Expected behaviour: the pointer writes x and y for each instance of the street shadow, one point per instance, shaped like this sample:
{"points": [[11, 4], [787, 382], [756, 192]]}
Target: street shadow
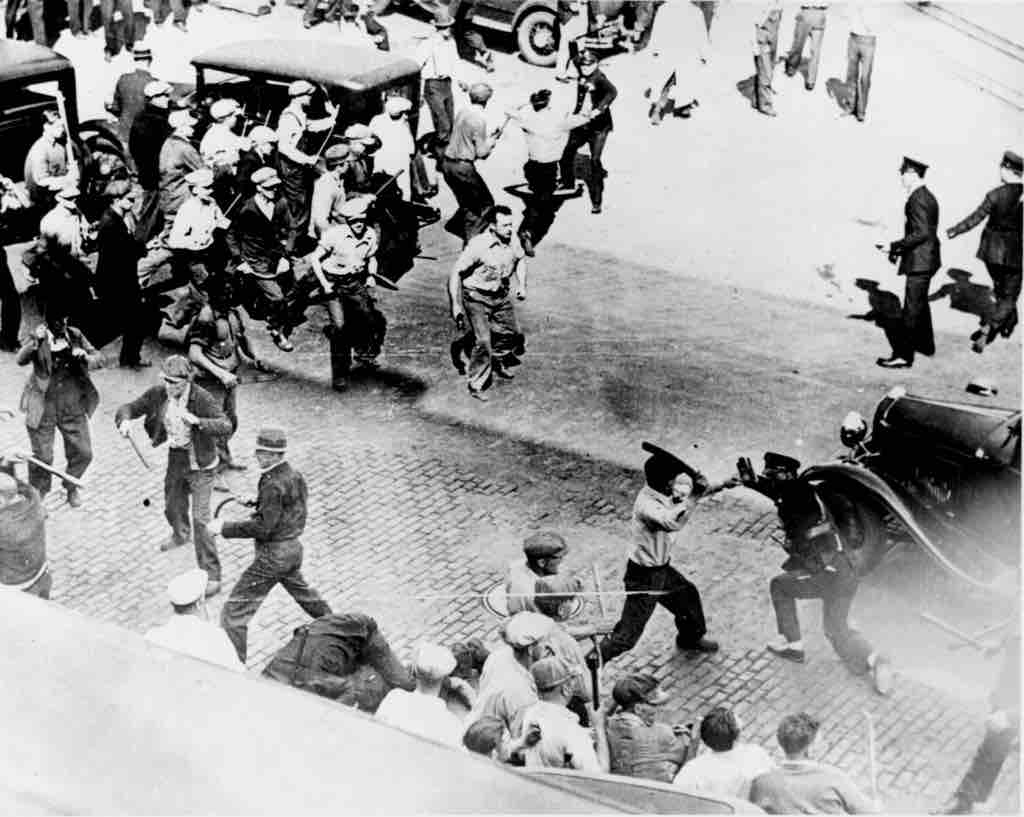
{"points": [[965, 296], [748, 89], [884, 308], [401, 384], [841, 93]]}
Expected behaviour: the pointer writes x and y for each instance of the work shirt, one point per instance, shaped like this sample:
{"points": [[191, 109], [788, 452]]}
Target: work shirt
{"points": [[469, 140], [280, 508], [179, 433], [396, 144], [547, 133], [46, 167], [487, 263], [66, 228], [808, 787], [641, 749], [348, 255], [190, 635], [520, 587], [438, 57], [195, 224], [216, 339], [177, 159], [656, 520], [222, 146], [725, 773], [291, 126], [506, 690], [564, 744], [328, 193], [423, 715]]}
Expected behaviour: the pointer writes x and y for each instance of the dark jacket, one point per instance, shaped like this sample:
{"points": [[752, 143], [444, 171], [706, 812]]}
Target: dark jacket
{"points": [[33, 397], [811, 539], [1001, 238], [249, 161], [117, 278], [149, 130], [257, 241], [280, 508], [602, 95], [129, 98], [151, 405], [918, 250], [177, 158]]}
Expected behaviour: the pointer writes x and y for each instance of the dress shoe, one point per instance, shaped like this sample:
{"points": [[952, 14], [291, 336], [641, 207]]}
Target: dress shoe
{"points": [[894, 362], [881, 675], [477, 394], [220, 486], [978, 344], [171, 543], [281, 341], [182, 27], [74, 497], [767, 111], [809, 86], [212, 588], [596, 209], [499, 371], [705, 645], [787, 652]]}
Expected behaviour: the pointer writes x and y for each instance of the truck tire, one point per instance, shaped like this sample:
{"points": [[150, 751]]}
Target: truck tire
{"points": [[861, 526], [537, 36]]}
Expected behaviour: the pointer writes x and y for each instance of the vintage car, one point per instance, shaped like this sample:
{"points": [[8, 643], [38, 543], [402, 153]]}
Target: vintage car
{"points": [[945, 474]]}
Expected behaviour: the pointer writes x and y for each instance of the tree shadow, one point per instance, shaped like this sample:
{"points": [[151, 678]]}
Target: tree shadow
{"points": [[966, 296]]}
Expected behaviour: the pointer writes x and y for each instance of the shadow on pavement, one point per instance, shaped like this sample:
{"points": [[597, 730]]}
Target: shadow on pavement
{"points": [[965, 296]]}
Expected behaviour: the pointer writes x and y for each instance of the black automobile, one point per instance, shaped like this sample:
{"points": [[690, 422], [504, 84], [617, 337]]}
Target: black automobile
{"points": [[945, 474]]}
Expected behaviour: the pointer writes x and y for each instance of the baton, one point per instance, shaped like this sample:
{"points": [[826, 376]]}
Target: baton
{"points": [[231, 206], [388, 183], [872, 765], [56, 472], [138, 451]]}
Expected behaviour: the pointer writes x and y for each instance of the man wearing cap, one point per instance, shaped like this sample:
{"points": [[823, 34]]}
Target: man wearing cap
{"points": [[397, 145], [145, 141], [196, 236], [364, 144], [345, 264], [294, 165], [564, 743], [329, 188], [506, 687], [23, 564], [594, 97], [470, 141], [258, 240], [547, 134], [66, 238], [221, 146], [275, 527], [818, 567], [186, 417], [1000, 248], [189, 630], [59, 395], [663, 506], [46, 164], [130, 90], [178, 158], [479, 292], [438, 58], [423, 712], [261, 153], [543, 552], [639, 745], [919, 259]]}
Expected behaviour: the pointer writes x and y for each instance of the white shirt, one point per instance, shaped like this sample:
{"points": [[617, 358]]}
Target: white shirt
{"points": [[546, 132], [563, 742], [221, 145], [506, 690], [520, 588], [191, 635], [725, 773], [656, 519], [195, 224], [423, 715], [438, 57], [179, 433], [396, 144]]}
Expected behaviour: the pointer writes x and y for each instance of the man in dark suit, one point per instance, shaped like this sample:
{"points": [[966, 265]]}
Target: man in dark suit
{"points": [[594, 97], [1000, 248], [189, 419], [149, 131], [919, 259], [130, 91]]}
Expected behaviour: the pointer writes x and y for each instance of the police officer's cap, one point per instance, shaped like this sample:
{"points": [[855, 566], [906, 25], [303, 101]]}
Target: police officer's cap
{"points": [[544, 544], [188, 588], [540, 97], [588, 58], [223, 108], [262, 135], [203, 177], [1013, 161], [266, 177], [781, 462], [526, 628], [273, 439], [920, 168], [300, 88], [336, 154]]}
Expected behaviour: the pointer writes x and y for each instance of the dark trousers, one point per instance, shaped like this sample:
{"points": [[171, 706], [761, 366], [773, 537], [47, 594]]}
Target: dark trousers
{"points": [[764, 62], [1006, 282], [915, 334], [10, 306], [357, 327], [539, 211], [116, 34], [810, 24], [273, 303], [297, 191], [74, 430], [595, 139], [987, 763], [161, 8], [227, 400], [682, 600], [151, 218], [36, 16], [836, 589], [494, 333], [134, 333], [79, 12], [180, 484], [472, 194], [860, 61], [275, 563], [438, 95]]}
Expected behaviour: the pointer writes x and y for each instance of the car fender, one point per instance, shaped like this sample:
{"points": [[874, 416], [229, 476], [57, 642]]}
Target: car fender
{"points": [[850, 474], [107, 131]]}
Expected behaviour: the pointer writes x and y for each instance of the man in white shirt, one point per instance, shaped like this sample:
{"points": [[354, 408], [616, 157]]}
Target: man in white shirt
{"points": [[199, 217], [423, 712], [189, 630], [438, 57], [564, 744], [221, 146], [397, 145], [730, 767], [860, 58]]}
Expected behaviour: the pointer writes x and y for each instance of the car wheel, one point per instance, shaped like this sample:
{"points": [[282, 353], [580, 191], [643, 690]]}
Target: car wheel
{"points": [[538, 38], [861, 527]]}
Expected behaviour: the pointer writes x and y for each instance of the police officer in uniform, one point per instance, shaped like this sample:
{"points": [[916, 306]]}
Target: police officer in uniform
{"points": [[595, 94], [275, 526], [818, 567]]}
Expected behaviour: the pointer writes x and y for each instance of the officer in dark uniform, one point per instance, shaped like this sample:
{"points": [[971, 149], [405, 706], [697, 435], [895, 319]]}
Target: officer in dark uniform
{"points": [[1000, 248], [919, 259], [275, 526], [818, 567]]}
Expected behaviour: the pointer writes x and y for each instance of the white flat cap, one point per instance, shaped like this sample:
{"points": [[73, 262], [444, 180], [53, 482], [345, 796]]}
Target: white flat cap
{"points": [[526, 628], [187, 588]]}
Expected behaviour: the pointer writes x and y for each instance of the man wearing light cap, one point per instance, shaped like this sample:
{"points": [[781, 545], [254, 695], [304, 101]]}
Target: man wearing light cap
{"points": [[364, 144], [638, 744], [470, 141], [397, 145], [262, 153], [423, 712], [186, 417], [438, 58], [178, 158], [919, 259], [129, 97], [329, 188], [145, 141], [662, 508], [543, 553], [66, 238], [1000, 249], [294, 164], [221, 146], [506, 687], [345, 263], [189, 630], [275, 527], [197, 237]]}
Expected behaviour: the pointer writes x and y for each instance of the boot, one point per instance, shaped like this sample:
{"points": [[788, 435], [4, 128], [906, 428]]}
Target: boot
{"points": [[341, 357]]}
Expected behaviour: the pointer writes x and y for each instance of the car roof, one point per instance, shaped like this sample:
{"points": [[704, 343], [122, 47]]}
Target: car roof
{"points": [[19, 60], [356, 69]]}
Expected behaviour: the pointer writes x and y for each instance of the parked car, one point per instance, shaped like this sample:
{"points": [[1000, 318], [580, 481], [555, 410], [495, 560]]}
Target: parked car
{"points": [[944, 473]]}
